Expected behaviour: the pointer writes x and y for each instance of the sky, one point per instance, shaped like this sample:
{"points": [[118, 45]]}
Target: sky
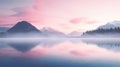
{"points": [[63, 15]]}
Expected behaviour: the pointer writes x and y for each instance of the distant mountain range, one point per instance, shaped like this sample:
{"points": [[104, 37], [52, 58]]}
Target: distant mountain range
{"points": [[51, 32], [75, 34], [25, 29], [111, 29]]}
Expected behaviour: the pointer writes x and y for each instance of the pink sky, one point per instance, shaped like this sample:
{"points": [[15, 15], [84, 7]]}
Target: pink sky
{"points": [[63, 15]]}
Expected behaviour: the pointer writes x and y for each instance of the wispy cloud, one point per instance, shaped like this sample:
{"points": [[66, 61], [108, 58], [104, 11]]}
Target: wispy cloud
{"points": [[82, 20], [6, 25]]}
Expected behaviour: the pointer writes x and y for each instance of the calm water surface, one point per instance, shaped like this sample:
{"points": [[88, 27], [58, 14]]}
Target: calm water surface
{"points": [[60, 52]]}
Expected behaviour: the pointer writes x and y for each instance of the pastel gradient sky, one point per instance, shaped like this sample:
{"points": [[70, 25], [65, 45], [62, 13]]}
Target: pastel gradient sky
{"points": [[62, 15]]}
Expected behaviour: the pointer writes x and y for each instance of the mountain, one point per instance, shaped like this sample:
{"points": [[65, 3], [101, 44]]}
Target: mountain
{"points": [[23, 27], [108, 30], [75, 34], [114, 24], [46, 31]]}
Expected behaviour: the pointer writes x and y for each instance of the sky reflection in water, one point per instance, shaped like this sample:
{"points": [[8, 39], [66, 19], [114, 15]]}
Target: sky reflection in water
{"points": [[60, 53]]}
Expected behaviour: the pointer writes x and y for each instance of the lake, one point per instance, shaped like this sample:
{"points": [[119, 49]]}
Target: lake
{"points": [[62, 52]]}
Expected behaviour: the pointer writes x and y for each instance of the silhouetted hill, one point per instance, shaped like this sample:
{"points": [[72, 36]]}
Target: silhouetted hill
{"points": [[23, 27]]}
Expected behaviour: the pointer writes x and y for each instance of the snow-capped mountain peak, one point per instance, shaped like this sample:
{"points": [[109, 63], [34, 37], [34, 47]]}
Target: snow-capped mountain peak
{"points": [[114, 24]]}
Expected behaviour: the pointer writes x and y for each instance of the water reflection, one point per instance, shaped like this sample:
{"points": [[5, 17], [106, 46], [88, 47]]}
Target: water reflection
{"points": [[59, 53], [111, 44], [24, 46]]}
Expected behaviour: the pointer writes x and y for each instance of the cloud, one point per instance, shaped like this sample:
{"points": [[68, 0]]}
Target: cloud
{"points": [[6, 20], [37, 4], [82, 20], [6, 25], [29, 13], [48, 13]]}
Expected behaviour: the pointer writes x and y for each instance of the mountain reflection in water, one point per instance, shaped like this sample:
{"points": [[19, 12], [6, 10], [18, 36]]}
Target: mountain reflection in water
{"points": [[60, 53]]}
